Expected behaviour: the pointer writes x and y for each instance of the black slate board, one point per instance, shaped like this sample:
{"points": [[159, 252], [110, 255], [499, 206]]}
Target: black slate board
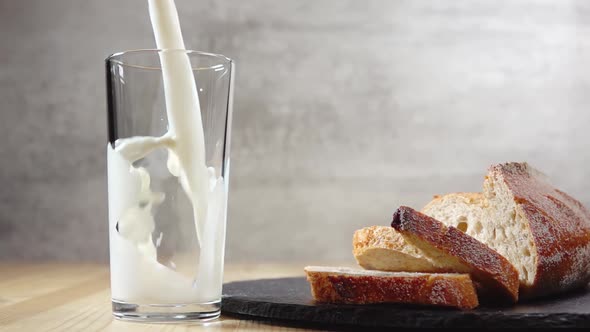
{"points": [[289, 300]]}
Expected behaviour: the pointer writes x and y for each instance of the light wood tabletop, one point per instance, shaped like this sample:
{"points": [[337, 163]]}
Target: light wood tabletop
{"points": [[76, 297]]}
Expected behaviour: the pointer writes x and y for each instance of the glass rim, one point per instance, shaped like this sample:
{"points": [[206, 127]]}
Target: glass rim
{"points": [[117, 58]]}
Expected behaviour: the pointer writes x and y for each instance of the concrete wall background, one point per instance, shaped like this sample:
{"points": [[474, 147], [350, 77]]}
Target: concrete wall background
{"points": [[343, 111]]}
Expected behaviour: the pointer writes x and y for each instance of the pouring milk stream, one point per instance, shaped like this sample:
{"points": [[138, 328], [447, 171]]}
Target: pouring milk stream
{"points": [[136, 274]]}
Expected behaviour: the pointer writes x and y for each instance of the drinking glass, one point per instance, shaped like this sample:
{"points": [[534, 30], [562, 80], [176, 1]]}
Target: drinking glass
{"points": [[165, 264]]}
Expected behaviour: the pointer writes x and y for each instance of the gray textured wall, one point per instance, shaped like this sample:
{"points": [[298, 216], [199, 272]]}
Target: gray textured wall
{"points": [[343, 110]]}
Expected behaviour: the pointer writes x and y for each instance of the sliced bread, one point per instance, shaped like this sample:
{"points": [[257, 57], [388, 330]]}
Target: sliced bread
{"points": [[460, 210], [383, 248], [542, 231], [344, 285], [452, 249]]}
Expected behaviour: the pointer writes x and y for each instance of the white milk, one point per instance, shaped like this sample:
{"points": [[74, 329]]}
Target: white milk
{"points": [[136, 275]]}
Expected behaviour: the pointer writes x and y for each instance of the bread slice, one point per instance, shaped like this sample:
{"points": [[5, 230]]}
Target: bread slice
{"points": [[383, 248], [451, 248], [344, 285], [542, 231], [460, 210]]}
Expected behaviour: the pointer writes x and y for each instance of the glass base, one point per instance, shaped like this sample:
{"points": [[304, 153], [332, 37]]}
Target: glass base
{"points": [[166, 313]]}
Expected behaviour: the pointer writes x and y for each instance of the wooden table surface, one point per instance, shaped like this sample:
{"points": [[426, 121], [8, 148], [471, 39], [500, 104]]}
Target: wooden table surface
{"points": [[76, 297]]}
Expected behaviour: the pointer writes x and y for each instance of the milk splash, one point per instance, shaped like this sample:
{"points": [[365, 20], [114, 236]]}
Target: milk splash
{"points": [[136, 273]]}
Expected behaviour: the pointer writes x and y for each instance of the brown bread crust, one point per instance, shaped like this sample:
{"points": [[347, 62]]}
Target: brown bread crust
{"points": [[559, 224], [486, 265], [449, 290]]}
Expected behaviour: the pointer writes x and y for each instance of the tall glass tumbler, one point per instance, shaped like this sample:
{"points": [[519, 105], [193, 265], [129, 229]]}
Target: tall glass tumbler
{"points": [[166, 245]]}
